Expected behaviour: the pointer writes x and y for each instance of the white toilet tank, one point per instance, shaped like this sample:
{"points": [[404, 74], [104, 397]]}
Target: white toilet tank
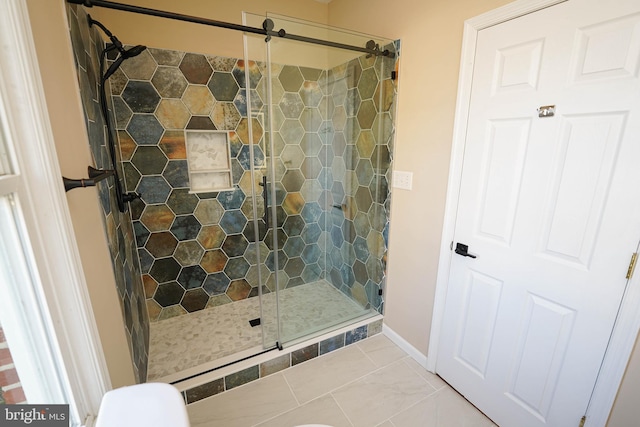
{"points": [[143, 405]]}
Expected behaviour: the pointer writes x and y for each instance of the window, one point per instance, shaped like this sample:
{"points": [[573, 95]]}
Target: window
{"points": [[44, 305]]}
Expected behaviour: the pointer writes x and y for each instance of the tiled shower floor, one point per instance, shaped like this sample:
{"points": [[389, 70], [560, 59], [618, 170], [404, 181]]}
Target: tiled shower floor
{"points": [[200, 338]]}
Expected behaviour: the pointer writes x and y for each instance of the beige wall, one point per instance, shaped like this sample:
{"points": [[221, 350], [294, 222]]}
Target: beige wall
{"points": [[431, 41], [57, 68], [131, 28]]}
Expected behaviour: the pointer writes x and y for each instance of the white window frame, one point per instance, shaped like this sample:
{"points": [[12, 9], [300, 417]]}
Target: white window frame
{"points": [[58, 305]]}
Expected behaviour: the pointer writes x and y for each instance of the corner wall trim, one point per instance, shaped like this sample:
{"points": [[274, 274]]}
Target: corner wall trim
{"points": [[406, 346]]}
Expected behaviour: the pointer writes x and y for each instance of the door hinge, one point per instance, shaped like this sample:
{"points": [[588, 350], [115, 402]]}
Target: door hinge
{"points": [[582, 421], [632, 265]]}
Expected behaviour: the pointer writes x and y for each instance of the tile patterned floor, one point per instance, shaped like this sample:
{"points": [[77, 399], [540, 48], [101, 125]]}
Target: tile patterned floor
{"points": [[191, 340], [370, 383]]}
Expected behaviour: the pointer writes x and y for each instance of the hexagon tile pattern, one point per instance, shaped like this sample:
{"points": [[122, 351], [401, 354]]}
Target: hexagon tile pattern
{"points": [[332, 138], [133, 112]]}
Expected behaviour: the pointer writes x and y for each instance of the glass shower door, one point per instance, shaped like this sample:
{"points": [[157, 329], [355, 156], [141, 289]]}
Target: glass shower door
{"points": [[323, 182], [255, 94]]}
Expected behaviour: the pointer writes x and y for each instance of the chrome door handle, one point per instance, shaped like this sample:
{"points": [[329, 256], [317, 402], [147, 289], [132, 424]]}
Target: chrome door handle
{"points": [[462, 249]]}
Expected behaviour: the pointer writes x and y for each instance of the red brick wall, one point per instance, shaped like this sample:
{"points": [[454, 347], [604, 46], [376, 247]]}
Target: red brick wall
{"points": [[9, 382]]}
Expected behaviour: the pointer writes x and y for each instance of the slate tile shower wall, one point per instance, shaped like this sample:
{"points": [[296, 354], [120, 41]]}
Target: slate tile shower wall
{"points": [[361, 106], [87, 46], [195, 250], [332, 154], [333, 134]]}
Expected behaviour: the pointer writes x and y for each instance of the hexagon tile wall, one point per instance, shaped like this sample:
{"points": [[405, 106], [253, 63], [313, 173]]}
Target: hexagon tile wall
{"points": [[333, 133], [87, 44]]}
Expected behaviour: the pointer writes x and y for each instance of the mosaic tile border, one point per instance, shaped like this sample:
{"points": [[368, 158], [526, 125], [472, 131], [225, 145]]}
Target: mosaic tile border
{"points": [[281, 362]]}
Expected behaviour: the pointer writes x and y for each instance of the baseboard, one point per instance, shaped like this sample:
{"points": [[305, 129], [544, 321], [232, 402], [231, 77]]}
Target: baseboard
{"points": [[405, 345]]}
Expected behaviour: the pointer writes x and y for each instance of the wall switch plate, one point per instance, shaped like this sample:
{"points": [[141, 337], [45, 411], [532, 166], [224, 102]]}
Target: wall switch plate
{"points": [[403, 180]]}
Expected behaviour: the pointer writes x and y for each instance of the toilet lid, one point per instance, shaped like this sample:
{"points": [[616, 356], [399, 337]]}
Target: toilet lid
{"points": [[143, 405]]}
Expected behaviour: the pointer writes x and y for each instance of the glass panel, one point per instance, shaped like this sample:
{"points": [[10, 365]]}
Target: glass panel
{"points": [[21, 316], [256, 76], [328, 132]]}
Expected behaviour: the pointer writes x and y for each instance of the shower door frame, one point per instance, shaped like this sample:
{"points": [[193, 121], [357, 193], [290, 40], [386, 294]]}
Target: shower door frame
{"points": [[268, 192]]}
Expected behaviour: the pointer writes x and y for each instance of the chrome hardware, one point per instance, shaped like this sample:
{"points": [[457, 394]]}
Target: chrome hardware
{"points": [[547, 111]]}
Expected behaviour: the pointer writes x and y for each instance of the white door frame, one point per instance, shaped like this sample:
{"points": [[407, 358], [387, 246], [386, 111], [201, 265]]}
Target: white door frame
{"points": [[628, 322], [60, 283]]}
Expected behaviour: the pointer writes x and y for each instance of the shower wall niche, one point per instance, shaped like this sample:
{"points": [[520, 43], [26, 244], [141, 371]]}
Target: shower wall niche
{"points": [[333, 149]]}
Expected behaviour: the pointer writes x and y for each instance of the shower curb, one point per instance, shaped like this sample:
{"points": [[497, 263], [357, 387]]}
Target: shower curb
{"points": [[276, 361]]}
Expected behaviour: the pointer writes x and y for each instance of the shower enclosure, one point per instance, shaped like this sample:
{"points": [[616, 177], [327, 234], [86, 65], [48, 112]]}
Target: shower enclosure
{"points": [[263, 179], [321, 133]]}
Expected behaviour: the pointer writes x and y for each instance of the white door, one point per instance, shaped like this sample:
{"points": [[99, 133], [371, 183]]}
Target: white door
{"points": [[550, 207]]}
